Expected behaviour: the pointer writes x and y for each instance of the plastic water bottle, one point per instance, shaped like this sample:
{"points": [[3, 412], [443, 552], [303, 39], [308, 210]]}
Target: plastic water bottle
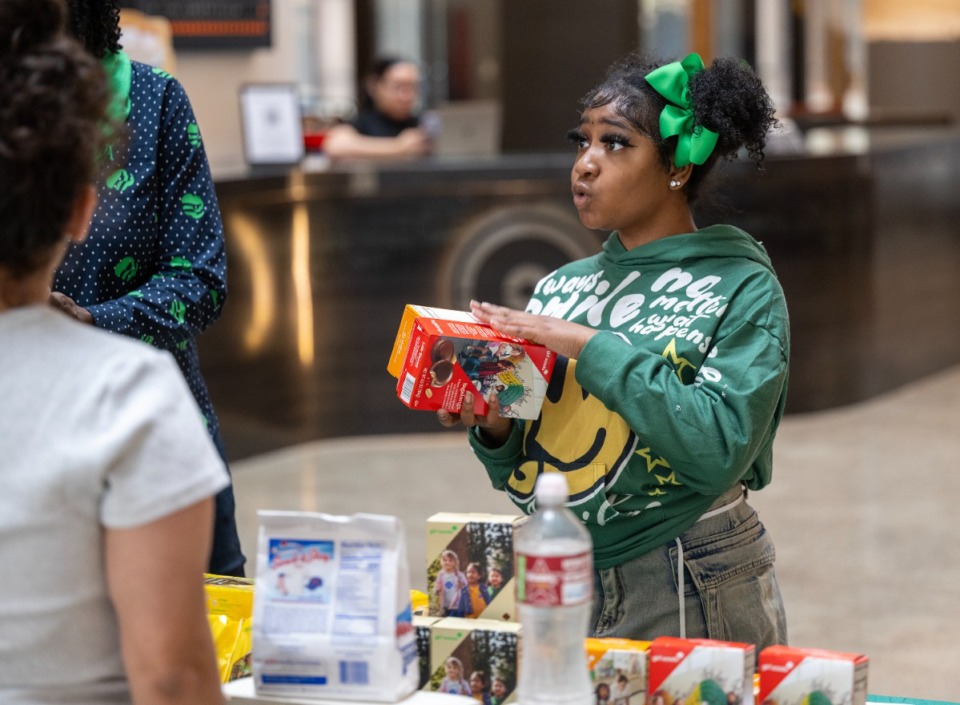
{"points": [[554, 595]]}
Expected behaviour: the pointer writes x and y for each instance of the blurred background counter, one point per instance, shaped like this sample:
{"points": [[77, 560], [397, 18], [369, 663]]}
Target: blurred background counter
{"points": [[861, 223]]}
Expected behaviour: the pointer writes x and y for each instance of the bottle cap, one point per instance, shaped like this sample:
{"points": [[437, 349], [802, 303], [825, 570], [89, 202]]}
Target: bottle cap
{"points": [[552, 490]]}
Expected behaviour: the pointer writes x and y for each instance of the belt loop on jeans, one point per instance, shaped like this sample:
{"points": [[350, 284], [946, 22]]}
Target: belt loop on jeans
{"points": [[726, 502]]}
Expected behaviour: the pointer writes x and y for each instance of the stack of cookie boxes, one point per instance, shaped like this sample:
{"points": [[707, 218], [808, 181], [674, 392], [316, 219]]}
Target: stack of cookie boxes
{"points": [[469, 640], [710, 672]]}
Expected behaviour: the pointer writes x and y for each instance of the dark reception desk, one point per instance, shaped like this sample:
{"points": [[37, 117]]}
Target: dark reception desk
{"points": [[863, 227]]}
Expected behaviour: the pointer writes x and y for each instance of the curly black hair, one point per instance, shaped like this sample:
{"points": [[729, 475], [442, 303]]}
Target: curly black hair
{"points": [[727, 97], [96, 23], [53, 125]]}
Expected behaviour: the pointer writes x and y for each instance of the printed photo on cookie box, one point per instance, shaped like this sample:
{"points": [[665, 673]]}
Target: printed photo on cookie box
{"points": [[440, 354], [700, 671], [618, 670], [797, 676]]}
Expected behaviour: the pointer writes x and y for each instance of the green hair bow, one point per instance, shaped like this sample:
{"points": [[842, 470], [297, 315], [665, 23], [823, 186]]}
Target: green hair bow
{"points": [[695, 143]]}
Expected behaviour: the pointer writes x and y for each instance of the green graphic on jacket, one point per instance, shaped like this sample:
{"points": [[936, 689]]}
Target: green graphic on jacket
{"points": [[193, 206], [603, 442], [508, 394], [161, 73], [215, 295], [148, 339], [120, 180], [193, 135], [181, 263], [126, 269], [178, 310]]}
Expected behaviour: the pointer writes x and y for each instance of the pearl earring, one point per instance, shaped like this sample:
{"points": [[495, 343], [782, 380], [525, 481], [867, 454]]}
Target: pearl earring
{"points": [[674, 183]]}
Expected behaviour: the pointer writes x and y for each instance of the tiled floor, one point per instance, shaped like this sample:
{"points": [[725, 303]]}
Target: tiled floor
{"points": [[861, 507]]}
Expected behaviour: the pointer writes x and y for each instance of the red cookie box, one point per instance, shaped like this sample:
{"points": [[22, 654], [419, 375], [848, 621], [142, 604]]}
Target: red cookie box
{"points": [[700, 671], [440, 354], [791, 676]]}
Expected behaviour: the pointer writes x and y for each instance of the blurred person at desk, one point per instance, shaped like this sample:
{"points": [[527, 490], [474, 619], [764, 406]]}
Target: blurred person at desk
{"points": [[108, 473], [154, 266], [387, 125]]}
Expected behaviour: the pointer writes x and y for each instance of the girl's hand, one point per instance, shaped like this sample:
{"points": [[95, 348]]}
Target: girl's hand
{"points": [[563, 337], [493, 428]]}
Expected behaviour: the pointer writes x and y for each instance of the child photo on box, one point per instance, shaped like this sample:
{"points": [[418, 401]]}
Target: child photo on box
{"points": [[621, 690], [453, 682], [480, 689], [466, 592], [450, 586], [499, 689], [478, 597], [482, 651], [602, 692], [494, 580]]}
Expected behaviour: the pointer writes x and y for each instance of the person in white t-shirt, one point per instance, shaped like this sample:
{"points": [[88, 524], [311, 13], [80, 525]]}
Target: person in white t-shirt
{"points": [[108, 474]]}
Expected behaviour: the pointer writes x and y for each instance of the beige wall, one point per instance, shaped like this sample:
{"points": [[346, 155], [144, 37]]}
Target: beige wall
{"points": [[911, 20], [321, 43], [324, 44]]}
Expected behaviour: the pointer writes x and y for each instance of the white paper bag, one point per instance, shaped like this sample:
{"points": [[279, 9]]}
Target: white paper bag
{"points": [[332, 615]]}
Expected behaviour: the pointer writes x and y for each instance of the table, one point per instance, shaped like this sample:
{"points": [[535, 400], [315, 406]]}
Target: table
{"points": [[882, 699], [241, 691]]}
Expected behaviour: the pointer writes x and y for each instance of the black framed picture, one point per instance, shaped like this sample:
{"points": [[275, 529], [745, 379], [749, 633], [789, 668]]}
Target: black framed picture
{"points": [[214, 24]]}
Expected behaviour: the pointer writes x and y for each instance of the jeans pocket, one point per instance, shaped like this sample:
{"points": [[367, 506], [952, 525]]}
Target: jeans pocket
{"points": [[732, 572]]}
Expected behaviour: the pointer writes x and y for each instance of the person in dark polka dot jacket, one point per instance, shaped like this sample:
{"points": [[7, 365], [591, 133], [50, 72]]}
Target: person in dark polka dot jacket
{"points": [[154, 265]]}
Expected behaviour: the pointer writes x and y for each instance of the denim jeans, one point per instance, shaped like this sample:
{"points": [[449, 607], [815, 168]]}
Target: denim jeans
{"points": [[730, 589], [226, 557]]}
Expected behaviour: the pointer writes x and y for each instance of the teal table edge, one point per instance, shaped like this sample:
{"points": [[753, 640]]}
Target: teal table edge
{"points": [[906, 701]]}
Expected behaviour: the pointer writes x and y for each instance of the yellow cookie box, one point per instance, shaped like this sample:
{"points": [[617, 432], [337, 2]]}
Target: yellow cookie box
{"points": [[618, 669]]}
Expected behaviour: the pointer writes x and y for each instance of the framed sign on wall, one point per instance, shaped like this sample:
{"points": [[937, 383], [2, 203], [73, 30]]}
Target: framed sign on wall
{"points": [[272, 130], [214, 24]]}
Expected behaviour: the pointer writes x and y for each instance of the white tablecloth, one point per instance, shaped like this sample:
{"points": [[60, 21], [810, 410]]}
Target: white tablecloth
{"points": [[241, 691]]}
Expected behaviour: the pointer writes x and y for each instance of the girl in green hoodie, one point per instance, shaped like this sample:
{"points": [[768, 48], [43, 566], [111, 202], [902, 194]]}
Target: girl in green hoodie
{"points": [[673, 348]]}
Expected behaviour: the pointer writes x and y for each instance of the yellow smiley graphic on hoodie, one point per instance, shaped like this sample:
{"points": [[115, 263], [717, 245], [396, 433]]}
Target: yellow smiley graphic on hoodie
{"points": [[575, 425]]}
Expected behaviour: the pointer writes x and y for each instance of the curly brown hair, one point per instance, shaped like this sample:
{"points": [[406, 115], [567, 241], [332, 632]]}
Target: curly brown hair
{"points": [[53, 125]]}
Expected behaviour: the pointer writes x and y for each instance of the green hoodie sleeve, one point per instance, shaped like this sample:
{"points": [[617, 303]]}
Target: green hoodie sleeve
{"points": [[499, 462], [714, 432]]}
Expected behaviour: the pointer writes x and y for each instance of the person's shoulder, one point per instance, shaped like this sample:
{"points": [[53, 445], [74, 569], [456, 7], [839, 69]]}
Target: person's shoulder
{"points": [[124, 351], [95, 353], [147, 78], [145, 74]]}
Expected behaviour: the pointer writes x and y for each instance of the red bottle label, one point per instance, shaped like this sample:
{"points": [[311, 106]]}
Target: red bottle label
{"points": [[554, 581]]}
